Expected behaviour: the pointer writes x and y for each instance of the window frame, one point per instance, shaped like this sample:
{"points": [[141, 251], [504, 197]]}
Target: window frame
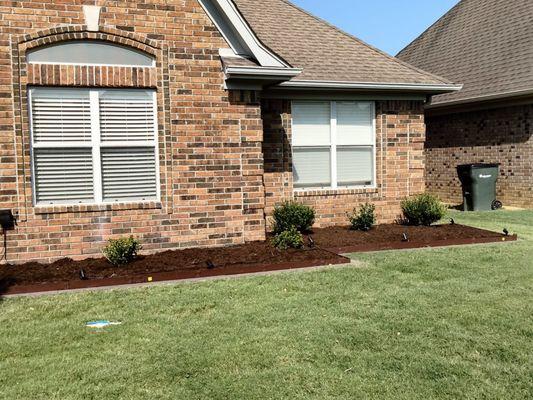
{"points": [[96, 146], [333, 145]]}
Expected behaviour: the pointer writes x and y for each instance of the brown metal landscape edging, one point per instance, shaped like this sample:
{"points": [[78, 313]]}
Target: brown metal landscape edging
{"points": [[168, 276], [367, 248]]}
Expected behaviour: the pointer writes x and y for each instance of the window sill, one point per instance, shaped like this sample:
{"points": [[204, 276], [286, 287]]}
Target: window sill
{"points": [[81, 208], [335, 192]]}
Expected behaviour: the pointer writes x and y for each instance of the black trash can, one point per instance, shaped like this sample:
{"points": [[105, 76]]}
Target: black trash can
{"points": [[479, 186]]}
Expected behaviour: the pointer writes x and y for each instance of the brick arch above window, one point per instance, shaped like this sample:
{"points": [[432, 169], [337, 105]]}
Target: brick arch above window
{"points": [[80, 32], [43, 74]]}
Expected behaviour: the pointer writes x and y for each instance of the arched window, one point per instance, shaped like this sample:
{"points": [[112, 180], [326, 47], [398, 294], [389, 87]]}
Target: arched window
{"points": [[90, 52]]}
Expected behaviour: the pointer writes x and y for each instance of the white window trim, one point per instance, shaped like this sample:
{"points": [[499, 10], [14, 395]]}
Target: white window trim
{"points": [[94, 64], [91, 64], [333, 150], [96, 146]]}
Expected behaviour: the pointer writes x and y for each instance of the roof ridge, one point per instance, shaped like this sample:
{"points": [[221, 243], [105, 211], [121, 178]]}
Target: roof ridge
{"points": [[375, 49], [419, 37]]}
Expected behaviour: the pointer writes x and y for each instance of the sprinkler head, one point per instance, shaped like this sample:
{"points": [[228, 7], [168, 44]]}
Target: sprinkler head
{"points": [[83, 275]]}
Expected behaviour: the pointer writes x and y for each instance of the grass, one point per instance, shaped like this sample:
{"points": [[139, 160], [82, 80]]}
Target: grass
{"points": [[424, 324]]}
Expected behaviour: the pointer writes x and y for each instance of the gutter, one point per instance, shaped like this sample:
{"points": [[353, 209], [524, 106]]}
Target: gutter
{"points": [[417, 87], [480, 99], [275, 73]]}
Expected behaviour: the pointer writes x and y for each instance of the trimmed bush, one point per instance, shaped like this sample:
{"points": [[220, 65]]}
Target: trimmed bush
{"points": [[289, 239], [292, 214], [424, 209], [364, 218], [122, 251]]}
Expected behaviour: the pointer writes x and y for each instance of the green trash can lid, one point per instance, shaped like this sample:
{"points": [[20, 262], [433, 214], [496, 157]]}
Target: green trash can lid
{"points": [[478, 165]]}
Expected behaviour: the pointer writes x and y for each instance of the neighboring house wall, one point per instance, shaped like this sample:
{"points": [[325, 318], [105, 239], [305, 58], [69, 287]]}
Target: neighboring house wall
{"points": [[400, 135], [502, 135], [210, 153]]}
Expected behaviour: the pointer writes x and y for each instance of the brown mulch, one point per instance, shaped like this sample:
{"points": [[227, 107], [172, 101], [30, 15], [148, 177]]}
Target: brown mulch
{"points": [[250, 257], [342, 236], [193, 262]]}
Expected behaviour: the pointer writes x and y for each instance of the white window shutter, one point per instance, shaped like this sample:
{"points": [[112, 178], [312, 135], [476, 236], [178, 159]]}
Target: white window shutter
{"points": [[355, 123], [61, 116], [311, 123], [129, 174], [127, 115], [63, 176]]}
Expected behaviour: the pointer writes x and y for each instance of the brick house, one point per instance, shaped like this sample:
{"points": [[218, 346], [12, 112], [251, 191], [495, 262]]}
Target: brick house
{"points": [[487, 45], [183, 122]]}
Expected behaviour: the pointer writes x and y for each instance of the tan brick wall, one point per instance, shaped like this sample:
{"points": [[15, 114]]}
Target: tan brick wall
{"points": [[502, 135], [213, 186], [209, 140], [400, 133]]}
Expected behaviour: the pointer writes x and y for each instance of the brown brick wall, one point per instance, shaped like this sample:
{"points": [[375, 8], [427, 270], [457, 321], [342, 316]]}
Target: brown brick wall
{"points": [[502, 135], [400, 162], [211, 166]]}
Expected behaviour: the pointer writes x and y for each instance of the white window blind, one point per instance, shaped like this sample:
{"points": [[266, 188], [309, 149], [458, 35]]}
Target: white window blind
{"points": [[98, 145], [127, 115], [61, 116], [333, 144], [312, 166], [129, 174], [63, 175], [311, 124], [354, 123]]}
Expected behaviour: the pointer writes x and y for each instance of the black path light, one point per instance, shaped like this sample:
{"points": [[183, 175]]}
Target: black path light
{"points": [[311, 242], [452, 221], [405, 238], [505, 232], [210, 264], [83, 275]]}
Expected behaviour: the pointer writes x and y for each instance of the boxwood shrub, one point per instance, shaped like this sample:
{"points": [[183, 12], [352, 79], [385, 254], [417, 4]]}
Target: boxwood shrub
{"points": [[364, 218], [122, 251], [291, 214], [423, 209], [290, 238]]}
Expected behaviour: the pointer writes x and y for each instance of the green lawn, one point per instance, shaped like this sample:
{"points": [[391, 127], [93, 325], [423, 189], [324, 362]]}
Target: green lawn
{"points": [[426, 324]]}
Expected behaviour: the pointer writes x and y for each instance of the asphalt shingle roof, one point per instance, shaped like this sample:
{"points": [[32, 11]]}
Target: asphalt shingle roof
{"points": [[487, 45], [324, 52]]}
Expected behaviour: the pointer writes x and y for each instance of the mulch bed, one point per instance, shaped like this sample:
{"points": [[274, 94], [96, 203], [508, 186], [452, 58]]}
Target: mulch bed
{"points": [[342, 240], [170, 265], [329, 243]]}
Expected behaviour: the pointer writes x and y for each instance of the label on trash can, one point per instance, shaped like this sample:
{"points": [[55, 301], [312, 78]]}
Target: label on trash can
{"points": [[485, 176]]}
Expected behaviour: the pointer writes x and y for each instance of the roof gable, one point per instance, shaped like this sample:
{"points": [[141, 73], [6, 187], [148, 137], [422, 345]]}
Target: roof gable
{"points": [[485, 44], [324, 52]]}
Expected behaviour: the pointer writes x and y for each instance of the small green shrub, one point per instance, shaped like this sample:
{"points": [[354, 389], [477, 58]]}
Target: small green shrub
{"points": [[290, 238], [292, 214], [423, 209], [364, 218], [122, 251]]}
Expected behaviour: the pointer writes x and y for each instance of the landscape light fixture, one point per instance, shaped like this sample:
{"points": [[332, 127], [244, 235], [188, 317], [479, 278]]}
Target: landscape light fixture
{"points": [[7, 220]]}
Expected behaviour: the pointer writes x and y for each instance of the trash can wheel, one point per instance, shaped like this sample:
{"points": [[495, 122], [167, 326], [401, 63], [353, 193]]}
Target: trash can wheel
{"points": [[497, 205]]}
